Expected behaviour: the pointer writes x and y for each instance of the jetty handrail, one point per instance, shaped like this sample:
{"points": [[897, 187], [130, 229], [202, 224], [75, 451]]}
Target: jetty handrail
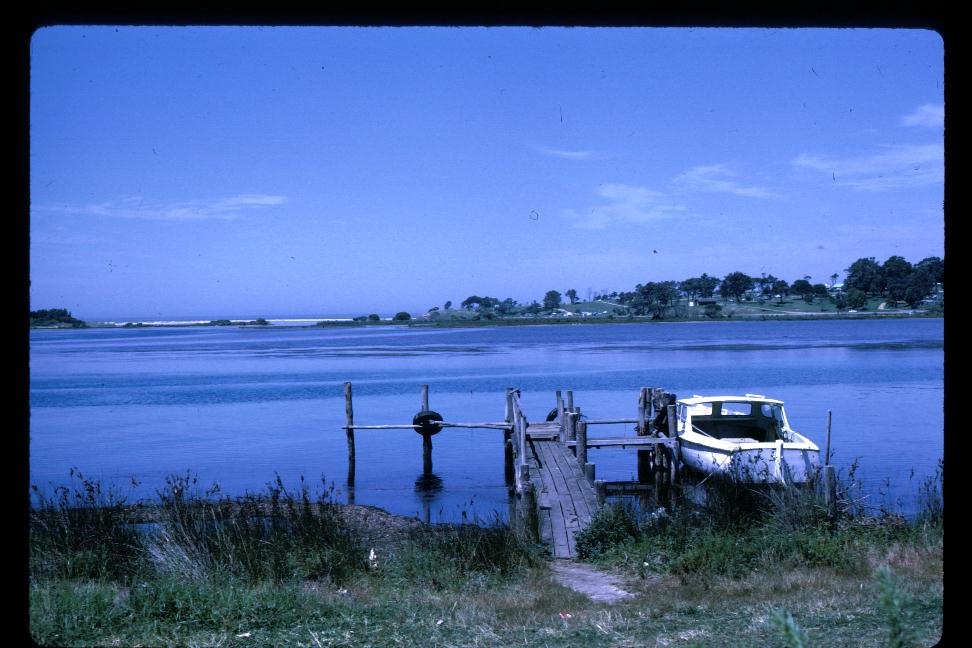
{"points": [[611, 421], [499, 425]]}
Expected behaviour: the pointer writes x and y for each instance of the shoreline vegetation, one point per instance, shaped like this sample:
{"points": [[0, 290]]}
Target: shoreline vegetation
{"points": [[462, 319], [895, 288], [290, 566]]}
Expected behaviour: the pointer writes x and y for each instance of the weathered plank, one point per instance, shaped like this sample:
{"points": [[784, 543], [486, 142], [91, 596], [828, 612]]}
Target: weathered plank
{"points": [[572, 500]]}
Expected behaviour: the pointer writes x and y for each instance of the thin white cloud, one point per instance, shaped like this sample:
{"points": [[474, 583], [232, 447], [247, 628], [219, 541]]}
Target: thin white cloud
{"points": [[568, 155], [894, 167], [718, 178], [228, 208], [626, 204], [927, 116]]}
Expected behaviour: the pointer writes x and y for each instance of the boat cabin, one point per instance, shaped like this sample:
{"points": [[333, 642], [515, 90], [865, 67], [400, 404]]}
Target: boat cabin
{"points": [[739, 420]]}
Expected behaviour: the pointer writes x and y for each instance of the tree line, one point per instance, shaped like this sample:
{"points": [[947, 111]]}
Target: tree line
{"points": [[896, 280]]}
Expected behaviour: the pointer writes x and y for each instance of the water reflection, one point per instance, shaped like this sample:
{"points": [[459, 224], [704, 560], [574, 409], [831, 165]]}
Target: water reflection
{"points": [[428, 486]]}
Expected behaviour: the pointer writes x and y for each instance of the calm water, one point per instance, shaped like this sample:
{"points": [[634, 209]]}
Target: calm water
{"points": [[238, 406]]}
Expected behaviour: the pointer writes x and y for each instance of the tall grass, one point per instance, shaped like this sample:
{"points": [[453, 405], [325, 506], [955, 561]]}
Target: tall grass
{"points": [[737, 529], [82, 530], [278, 535]]}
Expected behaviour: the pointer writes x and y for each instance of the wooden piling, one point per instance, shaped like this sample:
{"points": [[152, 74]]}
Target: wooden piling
{"points": [[570, 399], [582, 442], [349, 431], [426, 438], [571, 424], [644, 466], [589, 472], [528, 511], [827, 448], [427, 454], [601, 489], [643, 412], [508, 458], [508, 415]]}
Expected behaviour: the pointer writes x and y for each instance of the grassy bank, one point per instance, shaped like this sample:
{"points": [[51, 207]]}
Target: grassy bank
{"points": [[290, 567]]}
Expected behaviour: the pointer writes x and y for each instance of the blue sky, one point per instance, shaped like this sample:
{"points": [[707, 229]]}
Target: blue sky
{"points": [[312, 171]]}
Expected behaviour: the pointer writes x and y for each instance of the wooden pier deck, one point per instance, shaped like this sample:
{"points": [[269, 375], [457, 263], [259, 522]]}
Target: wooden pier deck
{"points": [[566, 500]]}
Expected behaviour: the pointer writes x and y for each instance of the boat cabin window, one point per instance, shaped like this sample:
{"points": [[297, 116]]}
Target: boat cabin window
{"points": [[737, 409], [738, 420]]}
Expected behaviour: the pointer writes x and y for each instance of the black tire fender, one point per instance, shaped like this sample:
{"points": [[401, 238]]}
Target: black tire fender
{"points": [[427, 420]]}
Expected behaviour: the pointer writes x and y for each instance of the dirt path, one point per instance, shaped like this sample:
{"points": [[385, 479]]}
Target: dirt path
{"points": [[596, 585]]}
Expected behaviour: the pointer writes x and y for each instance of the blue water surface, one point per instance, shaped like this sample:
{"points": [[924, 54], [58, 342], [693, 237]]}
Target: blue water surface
{"points": [[238, 406]]}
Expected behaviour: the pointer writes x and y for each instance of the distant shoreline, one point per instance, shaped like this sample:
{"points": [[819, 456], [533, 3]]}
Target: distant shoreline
{"points": [[278, 324]]}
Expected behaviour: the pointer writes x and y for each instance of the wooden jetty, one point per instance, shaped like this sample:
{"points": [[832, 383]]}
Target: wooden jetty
{"points": [[553, 487]]}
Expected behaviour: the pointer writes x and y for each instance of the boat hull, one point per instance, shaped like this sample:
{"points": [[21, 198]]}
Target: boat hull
{"points": [[763, 463]]}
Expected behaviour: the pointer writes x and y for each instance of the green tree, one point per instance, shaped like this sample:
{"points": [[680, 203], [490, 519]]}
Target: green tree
{"points": [[802, 287], [935, 266], [703, 286], [402, 316], [896, 272], [374, 318], [506, 307], [840, 301], [447, 305], [472, 301], [920, 284], [865, 275], [571, 295], [734, 285], [551, 300], [856, 298]]}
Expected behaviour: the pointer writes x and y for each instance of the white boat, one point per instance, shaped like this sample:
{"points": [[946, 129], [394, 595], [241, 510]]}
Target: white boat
{"points": [[745, 438]]}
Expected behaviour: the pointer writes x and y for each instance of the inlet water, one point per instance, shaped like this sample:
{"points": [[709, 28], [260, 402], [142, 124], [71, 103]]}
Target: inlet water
{"points": [[237, 406]]}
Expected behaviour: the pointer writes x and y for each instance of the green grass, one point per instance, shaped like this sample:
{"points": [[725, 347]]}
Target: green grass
{"points": [[784, 577]]}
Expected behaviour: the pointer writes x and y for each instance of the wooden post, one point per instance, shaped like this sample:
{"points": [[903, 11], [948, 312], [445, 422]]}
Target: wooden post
{"points": [[827, 450], [643, 412], [560, 416], [522, 475], [571, 425], [426, 438], [601, 489], [582, 442], [644, 466], [570, 400], [507, 458], [672, 425], [528, 505], [508, 417], [589, 472], [427, 454], [349, 432], [659, 474], [522, 439], [830, 491]]}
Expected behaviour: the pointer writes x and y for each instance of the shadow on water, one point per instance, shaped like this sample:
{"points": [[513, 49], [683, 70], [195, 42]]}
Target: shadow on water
{"points": [[428, 486]]}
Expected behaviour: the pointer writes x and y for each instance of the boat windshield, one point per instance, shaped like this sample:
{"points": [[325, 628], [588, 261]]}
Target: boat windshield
{"points": [[772, 411]]}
